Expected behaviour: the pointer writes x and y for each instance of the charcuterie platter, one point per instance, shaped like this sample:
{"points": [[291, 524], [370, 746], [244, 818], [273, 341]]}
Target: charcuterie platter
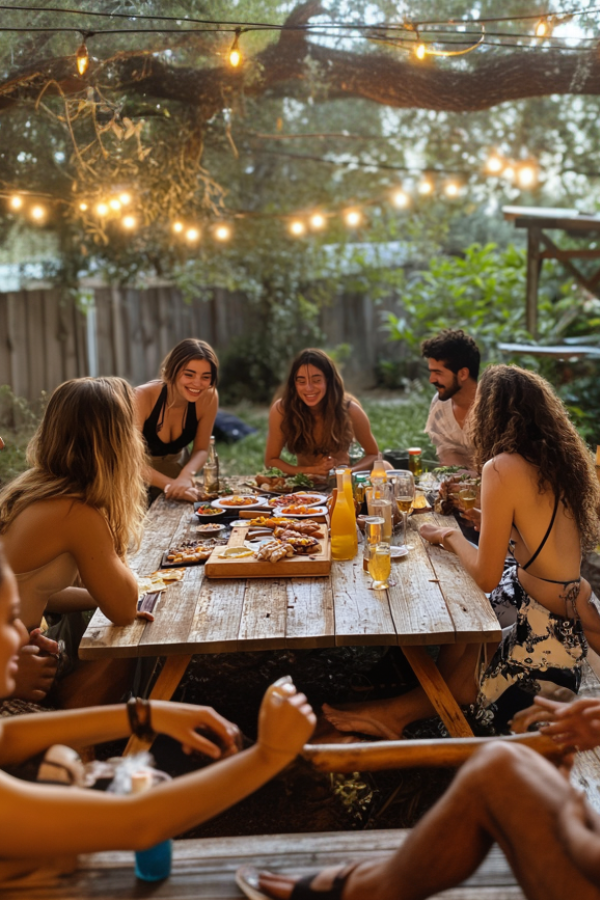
{"points": [[290, 553]]}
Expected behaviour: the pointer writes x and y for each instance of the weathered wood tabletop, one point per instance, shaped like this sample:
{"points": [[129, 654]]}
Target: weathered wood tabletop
{"points": [[434, 602]]}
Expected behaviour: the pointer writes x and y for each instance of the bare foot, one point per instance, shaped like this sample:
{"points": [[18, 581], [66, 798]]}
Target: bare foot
{"points": [[372, 718]]}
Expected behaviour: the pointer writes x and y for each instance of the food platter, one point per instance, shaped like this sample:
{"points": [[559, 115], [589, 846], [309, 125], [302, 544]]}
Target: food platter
{"points": [[308, 498], [310, 513], [313, 559], [229, 504], [190, 553]]}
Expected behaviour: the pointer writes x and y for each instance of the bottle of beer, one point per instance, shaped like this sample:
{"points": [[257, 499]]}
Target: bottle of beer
{"points": [[211, 469]]}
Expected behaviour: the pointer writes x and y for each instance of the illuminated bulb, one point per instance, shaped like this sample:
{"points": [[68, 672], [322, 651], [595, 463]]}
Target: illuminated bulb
{"points": [[400, 199], [124, 199], [421, 51], [38, 213], [317, 221], [494, 164], [192, 234], [425, 187], [541, 29], [115, 204], [451, 189], [223, 233], [16, 202], [129, 222], [235, 56], [102, 209], [177, 227], [509, 173], [297, 228], [83, 206], [526, 176], [83, 59]]}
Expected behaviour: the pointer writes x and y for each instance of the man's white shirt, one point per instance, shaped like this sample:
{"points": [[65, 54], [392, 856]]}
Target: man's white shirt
{"points": [[446, 434]]}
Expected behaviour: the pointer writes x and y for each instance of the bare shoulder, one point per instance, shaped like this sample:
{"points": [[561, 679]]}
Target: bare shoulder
{"points": [[207, 402], [276, 411], [355, 410], [147, 394], [507, 467]]}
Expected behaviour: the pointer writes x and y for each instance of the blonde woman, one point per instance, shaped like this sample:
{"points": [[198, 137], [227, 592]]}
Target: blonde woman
{"points": [[46, 825], [79, 505], [176, 411]]}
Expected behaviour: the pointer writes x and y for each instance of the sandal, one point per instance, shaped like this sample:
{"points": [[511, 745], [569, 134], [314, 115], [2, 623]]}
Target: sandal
{"points": [[247, 879]]}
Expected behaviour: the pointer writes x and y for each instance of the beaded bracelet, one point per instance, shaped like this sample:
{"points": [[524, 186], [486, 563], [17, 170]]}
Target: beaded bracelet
{"points": [[140, 718]]}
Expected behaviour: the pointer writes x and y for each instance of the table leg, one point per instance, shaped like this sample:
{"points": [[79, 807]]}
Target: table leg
{"points": [[438, 691], [166, 684]]}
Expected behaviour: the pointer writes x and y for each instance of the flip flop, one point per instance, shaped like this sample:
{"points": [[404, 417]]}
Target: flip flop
{"points": [[247, 879]]}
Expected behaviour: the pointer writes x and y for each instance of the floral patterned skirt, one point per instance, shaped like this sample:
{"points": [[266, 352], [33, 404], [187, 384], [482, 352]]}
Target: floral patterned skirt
{"points": [[534, 640]]}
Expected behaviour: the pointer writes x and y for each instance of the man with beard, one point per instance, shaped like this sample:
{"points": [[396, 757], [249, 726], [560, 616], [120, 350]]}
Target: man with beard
{"points": [[453, 359]]}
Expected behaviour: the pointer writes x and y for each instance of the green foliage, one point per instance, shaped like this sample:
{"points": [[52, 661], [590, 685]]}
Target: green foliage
{"points": [[18, 420]]}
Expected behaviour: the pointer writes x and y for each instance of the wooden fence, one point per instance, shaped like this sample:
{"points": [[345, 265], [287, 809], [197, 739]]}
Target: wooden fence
{"points": [[46, 338]]}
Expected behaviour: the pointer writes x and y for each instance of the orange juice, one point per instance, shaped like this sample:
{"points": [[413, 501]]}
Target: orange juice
{"points": [[344, 540]]}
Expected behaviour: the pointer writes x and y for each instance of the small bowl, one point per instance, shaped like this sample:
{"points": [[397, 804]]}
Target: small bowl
{"points": [[213, 516], [209, 529]]}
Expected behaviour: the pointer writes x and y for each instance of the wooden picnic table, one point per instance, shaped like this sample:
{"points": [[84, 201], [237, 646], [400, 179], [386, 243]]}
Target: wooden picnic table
{"points": [[434, 602]]}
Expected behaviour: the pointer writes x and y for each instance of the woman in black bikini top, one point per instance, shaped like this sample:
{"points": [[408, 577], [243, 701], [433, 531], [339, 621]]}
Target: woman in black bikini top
{"points": [[175, 412]]}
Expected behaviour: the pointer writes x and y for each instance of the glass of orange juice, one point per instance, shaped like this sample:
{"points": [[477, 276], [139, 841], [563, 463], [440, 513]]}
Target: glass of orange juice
{"points": [[380, 566]]}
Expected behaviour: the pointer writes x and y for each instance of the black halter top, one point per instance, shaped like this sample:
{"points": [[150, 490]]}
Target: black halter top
{"points": [[154, 423]]}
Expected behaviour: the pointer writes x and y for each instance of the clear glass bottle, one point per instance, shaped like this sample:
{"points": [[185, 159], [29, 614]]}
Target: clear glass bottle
{"points": [[344, 540], [378, 473], [415, 461], [153, 864], [211, 468]]}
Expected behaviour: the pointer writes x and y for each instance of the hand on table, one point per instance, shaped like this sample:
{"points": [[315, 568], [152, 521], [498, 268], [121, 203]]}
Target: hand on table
{"points": [[183, 722], [38, 663], [181, 489], [321, 468], [433, 533], [285, 721]]}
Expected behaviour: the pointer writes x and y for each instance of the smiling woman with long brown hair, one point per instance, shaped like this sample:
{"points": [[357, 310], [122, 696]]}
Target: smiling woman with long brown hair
{"points": [[317, 420]]}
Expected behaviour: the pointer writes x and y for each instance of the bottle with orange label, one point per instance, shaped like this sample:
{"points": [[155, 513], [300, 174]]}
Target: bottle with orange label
{"points": [[344, 540]]}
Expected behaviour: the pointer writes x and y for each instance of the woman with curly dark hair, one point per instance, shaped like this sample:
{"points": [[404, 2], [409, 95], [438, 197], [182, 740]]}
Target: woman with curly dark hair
{"points": [[539, 497], [317, 420]]}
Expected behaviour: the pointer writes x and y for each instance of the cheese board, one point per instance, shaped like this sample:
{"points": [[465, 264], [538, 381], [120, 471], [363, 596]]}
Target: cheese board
{"points": [[305, 565]]}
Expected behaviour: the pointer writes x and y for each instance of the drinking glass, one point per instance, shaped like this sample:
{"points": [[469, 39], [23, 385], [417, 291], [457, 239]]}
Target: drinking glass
{"points": [[379, 503], [380, 566], [404, 494], [468, 497]]}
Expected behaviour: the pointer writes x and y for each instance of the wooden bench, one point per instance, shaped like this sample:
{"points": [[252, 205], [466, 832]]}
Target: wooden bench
{"points": [[205, 869]]}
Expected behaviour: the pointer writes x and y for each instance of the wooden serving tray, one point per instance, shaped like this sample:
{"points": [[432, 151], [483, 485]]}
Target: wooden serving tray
{"points": [[318, 563]]}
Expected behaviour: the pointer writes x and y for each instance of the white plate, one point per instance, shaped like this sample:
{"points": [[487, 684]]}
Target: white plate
{"points": [[315, 499], [398, 552], [321, 511], [258, 503]]}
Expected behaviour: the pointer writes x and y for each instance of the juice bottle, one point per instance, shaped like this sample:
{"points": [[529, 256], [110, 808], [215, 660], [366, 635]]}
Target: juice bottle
{"points": [[344, 540], [378, 475], [348, 489]]}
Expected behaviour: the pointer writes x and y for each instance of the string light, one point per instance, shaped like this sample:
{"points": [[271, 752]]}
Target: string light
{"points": [[129, 222], [177, 227], [353, 218], [83, 206], [38, 213], [400, 199], [541, 29], [452, 189], [527, 175], [192, 235], [16, 202], [421, 51], [102, 209], [508, 173], [235, 55], [317, 221], [115, 204], [426, 186], [83, 59], [222, 232], [494, 164], [297, 228], [124, 199]]}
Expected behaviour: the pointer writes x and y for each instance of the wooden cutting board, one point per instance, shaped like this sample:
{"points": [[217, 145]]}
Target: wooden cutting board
{"points": [[318, 563]]}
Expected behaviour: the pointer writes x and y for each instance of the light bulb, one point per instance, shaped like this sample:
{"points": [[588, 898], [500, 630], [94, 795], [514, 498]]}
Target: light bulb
{"points": [[129, 222], [125, 199], [421, 51], [509, 173], [115, 204], [400, 199], [451, 189], [223, 233], [494, 164], [192, 235], [178, 227], [102, 209], [541, 29], [83, 59], [526, 176], [38, 213], [352, 218], [297, 228], [235, 55], [16, 202], [83, 206], [425, 186], [317, 221]]}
